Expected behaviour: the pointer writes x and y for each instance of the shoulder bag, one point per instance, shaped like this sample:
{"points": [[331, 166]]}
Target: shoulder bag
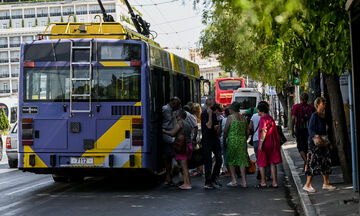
{"points": [[179, 144]]}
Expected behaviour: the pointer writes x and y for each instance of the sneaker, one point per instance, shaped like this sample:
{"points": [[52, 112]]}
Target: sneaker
{"points": [[309, 189], [209, 186], [230, 184], [217, 184], [328, 187]]}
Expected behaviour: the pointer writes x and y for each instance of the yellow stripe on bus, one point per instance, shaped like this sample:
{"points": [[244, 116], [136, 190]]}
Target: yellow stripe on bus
{"points": [[114, 63], [111, 139], [137, 104], [38, 162], [137, 161]]}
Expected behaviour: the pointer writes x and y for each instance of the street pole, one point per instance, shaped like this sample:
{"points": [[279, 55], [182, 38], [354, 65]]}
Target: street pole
{"points": [[352, 135]]}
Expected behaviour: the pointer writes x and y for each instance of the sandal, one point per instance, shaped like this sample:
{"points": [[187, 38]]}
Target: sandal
{"points": [[274, 186], [261, 186]]}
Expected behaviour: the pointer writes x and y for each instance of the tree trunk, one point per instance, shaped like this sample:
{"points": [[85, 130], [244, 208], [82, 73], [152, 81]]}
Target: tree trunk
{"points": [[283, 102], [339, 125], [314, 87]]}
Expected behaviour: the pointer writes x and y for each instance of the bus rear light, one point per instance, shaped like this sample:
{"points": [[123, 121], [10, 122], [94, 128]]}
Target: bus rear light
{"points": [[27, 142], [135, 63], [29, 64], [8, 143], [137, 120], [137, 143], [27, 131]]}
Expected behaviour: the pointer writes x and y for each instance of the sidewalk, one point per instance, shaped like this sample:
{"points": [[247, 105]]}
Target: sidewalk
{"points": [[342, 201]]}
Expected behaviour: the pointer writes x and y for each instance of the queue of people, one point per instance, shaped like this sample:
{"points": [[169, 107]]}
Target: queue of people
{"points": [[224, 135]]}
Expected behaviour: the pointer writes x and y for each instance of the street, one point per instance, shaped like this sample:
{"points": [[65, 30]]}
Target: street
{"points": [[30, 194]]}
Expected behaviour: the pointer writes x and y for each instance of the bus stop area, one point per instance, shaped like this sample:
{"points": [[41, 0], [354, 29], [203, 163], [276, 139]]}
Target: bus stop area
{"points": [[341, 201]]}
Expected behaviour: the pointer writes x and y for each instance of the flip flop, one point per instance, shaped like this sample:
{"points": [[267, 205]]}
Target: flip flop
{"points": [[272, 186], [261, 186]]}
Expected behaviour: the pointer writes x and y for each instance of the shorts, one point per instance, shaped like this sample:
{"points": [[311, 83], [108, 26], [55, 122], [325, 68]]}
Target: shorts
{"points": [[187, 155]]}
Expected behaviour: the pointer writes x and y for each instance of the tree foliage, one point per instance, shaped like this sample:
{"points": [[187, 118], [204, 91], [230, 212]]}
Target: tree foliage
{"points": [[270, 40], [4, 122]]}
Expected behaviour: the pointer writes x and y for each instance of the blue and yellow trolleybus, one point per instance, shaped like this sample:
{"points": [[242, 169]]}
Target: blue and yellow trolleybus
{"points": [[90, 99]]}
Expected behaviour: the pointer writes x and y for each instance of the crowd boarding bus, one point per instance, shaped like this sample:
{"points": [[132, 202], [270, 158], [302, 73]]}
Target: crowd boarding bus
{"points": [[91, 97], [225, 87]]}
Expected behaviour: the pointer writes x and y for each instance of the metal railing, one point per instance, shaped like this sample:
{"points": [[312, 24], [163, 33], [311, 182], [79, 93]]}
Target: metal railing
{"points": [[29, 15], [68, 12], [16, 17], [14, 74], [4, 60], [55, 14], [15, 45], [4, 91], [110, 10], [4, 75], [42, 15], [14, 60], [4, 17], [95, 11], [15, 90], [3, 46], [81, 12]]}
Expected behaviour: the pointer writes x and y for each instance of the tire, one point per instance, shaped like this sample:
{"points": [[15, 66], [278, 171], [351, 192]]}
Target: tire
{"points": [[59, 178], [13, 163]]}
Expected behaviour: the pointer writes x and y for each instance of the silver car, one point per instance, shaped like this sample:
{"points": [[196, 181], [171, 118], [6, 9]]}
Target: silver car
{"points": [[11, 146]]}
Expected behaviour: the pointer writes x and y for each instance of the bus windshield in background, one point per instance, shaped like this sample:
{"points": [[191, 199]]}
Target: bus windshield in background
{"points": [[52, 84], [246, 102], [229, 84]]}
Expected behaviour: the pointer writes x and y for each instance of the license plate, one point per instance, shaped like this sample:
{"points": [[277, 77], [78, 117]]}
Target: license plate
{"points": [[82, 160]]}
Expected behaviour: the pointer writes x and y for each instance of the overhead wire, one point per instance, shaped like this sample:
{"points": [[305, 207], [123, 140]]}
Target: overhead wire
{"points": [[177, 20], [162, 15], [160, 3], [177, 32]]}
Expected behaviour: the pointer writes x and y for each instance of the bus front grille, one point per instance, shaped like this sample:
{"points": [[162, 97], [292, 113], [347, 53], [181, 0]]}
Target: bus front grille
{"points": [[125, 110]]}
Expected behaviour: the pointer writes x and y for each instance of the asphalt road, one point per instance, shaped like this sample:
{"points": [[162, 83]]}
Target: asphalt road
{"points": [[32, 194]]}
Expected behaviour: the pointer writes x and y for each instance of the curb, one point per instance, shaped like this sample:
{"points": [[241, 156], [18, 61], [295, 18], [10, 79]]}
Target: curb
{"points": [[306, 204]]}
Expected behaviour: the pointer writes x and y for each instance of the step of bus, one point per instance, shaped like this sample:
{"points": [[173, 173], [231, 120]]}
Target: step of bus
{"points": [[80, 111], [81, 63], [81, 95], [80, 79], [81, 47]]}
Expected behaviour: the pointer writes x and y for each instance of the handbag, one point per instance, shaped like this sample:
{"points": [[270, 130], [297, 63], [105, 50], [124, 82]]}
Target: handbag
{"points": [[321, 141], [281, 135], [197, 158], [251, 169], [179, 144]]}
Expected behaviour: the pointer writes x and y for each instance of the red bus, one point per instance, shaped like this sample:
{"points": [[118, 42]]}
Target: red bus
{"points": [[225, 88]]}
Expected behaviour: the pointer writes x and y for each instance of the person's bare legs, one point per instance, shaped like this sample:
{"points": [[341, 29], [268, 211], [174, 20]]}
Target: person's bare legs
{"points": [[243, 176], [233, 174], [274, 174], [308, 182], [185, 173], [326, 179], [262, 173], [168, 169]]}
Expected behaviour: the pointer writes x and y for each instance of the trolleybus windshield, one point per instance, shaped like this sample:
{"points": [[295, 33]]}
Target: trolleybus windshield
{"points": [[246, 102]]}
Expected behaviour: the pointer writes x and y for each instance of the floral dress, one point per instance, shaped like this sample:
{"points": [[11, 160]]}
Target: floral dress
{"points": [[236, 152]]}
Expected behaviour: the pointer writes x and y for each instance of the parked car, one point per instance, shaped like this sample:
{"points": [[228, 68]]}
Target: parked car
{"points": [[12, 146], [1, 147]]}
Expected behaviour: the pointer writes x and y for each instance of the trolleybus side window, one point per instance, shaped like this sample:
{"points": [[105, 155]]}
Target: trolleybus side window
{"points": [[124, 52], [47, 52]]}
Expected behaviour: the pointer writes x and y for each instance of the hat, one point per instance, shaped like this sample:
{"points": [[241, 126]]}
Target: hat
{"points": [[235, 106]]}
